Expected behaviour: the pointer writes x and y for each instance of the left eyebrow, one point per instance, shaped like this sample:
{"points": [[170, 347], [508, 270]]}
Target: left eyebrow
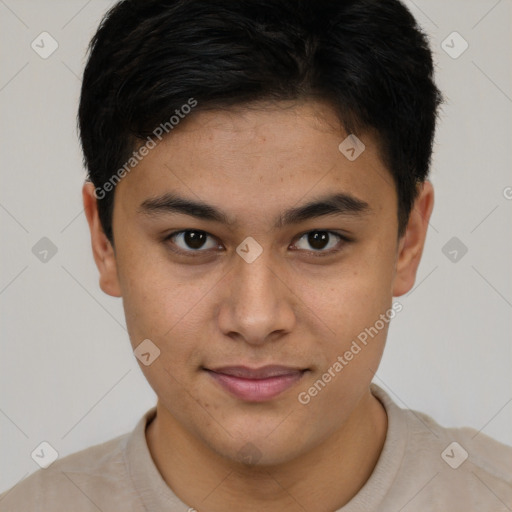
{"points": [[332, 204]]}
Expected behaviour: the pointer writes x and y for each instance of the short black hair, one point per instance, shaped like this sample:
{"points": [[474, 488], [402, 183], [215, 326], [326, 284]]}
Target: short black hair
{"points": [[149, 58]]}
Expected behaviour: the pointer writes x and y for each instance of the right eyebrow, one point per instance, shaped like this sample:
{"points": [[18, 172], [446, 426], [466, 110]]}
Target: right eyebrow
{"points": [[172, 203]]}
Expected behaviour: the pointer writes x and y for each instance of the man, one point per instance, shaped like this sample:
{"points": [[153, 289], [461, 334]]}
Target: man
{"points": [[258, 196]]}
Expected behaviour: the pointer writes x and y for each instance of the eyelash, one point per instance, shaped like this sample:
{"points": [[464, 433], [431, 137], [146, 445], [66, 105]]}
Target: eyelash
{"points": [[195, 253]]}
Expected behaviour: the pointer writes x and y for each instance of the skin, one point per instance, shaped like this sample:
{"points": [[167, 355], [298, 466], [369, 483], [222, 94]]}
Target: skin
{"points": [[288, 307]]}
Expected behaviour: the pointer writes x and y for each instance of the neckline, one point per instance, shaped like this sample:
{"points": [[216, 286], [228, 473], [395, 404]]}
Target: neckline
{"points": [[155, 494]]}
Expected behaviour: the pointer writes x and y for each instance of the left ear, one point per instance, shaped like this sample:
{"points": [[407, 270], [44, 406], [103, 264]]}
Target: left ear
{"points": [[410, 246]]}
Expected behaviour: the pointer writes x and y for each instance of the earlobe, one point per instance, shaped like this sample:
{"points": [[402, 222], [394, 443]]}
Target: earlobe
{"points": [[102, 249], [411, 244]]}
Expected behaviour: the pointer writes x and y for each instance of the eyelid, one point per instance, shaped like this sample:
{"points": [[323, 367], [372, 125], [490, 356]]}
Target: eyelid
{"points": [[342, 238], [190, 252]]}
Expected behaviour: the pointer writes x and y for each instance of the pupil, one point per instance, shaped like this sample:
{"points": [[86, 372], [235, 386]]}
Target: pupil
{"points": [[195, 239], [318, 239]]}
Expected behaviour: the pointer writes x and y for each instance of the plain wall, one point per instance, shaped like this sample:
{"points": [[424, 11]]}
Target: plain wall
{"points": [[67, 372]]}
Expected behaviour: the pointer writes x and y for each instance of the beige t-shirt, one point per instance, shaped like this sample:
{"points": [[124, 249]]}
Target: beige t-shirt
{"points": [[423, 467]]}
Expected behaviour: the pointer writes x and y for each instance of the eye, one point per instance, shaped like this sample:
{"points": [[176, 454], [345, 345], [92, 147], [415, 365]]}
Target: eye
{"points": [[192, 241], [320, 241]]}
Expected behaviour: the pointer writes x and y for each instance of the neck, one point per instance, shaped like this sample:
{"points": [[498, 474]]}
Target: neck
{"points": [[321, 480]]}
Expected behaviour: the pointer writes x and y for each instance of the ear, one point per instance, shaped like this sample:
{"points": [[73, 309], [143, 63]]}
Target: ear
{"points": [[102, 249], [410, 246]]}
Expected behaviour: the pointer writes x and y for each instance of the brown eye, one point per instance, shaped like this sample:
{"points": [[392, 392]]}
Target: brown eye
{"points": [[319, 241], [192, 240]]}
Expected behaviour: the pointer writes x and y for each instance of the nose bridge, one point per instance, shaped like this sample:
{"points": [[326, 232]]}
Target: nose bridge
{"points": [[255, 284], [258, 304]]}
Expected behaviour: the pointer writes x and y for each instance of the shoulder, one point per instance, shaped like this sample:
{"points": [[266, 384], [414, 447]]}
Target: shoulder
{"points": [[425, 466], [81, 481], [458, 468], [466, 446]]}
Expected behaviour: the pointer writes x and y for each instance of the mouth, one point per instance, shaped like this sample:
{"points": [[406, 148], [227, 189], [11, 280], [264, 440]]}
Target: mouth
{"points": [[256, 384]]}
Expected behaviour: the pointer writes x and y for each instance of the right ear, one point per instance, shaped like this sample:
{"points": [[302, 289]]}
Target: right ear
{"points": [[102, 249]]}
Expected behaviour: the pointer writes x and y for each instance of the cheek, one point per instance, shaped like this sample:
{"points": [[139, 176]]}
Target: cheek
{"points": [[348, 298], [156, 295], [169, 306], [346, 305], [169, 315]]}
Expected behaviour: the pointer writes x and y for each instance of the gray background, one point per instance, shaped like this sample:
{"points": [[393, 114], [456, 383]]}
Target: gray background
{"points": [[67, 373]]}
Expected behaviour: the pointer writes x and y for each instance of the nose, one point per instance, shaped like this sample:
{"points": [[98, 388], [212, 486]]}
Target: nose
{"points": [[261, 305]]}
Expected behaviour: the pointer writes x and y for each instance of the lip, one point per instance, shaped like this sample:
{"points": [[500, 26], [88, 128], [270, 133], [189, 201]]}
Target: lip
{"points": [[256, 384]]}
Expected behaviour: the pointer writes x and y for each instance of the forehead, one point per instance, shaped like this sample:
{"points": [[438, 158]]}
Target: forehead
{"points": [[259, 157]]}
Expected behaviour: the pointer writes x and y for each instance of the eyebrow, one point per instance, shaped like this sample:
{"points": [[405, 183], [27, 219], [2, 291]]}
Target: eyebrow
{"points": [[331, 204]]}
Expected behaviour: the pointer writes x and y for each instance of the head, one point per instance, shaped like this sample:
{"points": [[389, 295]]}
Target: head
{"points": [[205, 123]]}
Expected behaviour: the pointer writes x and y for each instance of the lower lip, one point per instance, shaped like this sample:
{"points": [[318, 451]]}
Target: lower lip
{"points": [[256, 390]]}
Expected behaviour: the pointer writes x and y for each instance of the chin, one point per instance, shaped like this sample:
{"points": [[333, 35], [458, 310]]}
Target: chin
{"points": [[256, 447]]}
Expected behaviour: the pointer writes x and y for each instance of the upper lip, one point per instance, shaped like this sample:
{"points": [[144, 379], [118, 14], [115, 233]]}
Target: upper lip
{"points": [[263, 372]]}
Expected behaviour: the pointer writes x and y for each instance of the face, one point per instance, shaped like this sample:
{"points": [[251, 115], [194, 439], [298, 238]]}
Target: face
{"points": [[258, 294]]}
